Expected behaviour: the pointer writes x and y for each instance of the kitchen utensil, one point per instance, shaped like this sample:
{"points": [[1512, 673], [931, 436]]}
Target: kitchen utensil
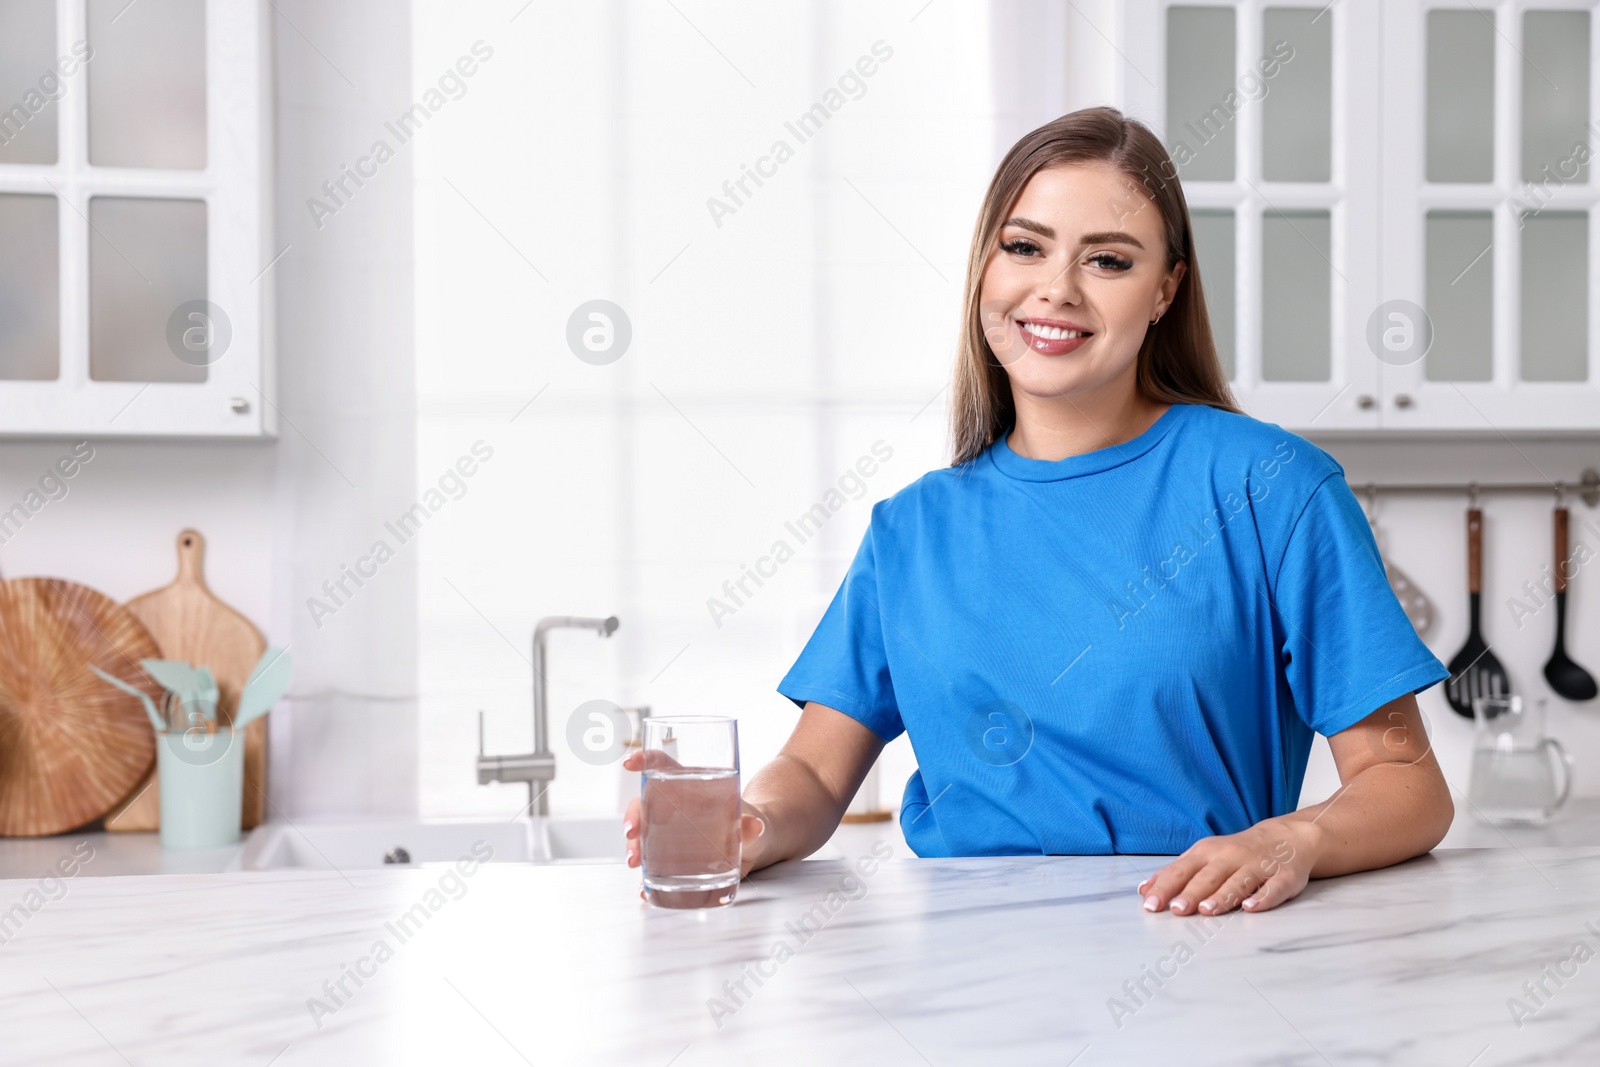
{"points": [[192, 693], [208, 693], [156, 720], [1566, 678], [71, 746], [188, 708], [1474, 672], [1513, 777], [267, 684], [191, 624], [177, 676], [1413, 601]]}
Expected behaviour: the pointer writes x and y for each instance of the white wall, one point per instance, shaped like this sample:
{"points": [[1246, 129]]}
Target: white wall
{"points": [[346, 453]]}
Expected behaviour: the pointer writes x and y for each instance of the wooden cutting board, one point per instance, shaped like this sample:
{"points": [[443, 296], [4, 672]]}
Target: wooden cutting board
{"points": [[191, 624], [71, 746]]}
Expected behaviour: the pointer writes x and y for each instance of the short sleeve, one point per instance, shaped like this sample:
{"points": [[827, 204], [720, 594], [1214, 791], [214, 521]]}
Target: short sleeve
{"points": [[844, 665], [1348, 647]]}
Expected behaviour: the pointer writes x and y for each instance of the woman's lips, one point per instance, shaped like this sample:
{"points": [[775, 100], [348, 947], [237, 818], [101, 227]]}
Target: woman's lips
{"points": [[1048, 345]]}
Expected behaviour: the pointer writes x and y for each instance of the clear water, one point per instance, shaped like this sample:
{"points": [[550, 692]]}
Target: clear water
{"points": [[1516, 786], [689, 836]]}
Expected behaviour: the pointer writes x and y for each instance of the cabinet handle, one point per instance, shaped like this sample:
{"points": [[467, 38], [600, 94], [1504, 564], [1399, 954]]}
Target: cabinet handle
{"points": [[1402, 400], [1364, 401]]}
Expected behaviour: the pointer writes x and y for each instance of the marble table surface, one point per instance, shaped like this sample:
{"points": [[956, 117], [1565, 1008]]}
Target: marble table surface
{"points": [[1019, 960], [1578, 823]]}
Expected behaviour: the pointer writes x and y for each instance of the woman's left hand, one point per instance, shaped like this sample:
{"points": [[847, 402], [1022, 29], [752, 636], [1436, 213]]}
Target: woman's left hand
{"points": [[1257, 869]]}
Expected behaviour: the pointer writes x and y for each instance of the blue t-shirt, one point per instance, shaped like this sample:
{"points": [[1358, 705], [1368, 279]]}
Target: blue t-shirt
{"points": [[1120, 651]]}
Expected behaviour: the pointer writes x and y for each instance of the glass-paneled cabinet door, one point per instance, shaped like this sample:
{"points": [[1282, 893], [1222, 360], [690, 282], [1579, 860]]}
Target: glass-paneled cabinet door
{"points": [[133, 162], [1265, 109], [1489, 123]]}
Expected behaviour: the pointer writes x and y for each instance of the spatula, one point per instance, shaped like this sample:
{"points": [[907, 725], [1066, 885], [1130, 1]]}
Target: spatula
{"points": [[267, 684], [1474, 672], [149, 705], [206, 693], [174, 675], [1566, 678], [193, 690]]}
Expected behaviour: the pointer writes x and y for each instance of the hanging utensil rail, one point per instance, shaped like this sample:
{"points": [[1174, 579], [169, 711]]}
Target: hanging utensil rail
{"points": [[1586, 488]]}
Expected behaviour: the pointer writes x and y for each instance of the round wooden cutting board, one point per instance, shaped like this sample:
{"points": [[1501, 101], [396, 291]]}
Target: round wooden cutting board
{"points": [[71, 746]]}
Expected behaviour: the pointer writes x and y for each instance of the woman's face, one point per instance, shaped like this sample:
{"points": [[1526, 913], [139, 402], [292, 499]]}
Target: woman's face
{"points": [[1084, 250]]}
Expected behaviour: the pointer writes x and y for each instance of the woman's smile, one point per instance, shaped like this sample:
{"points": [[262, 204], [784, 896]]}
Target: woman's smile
{"points": [[1053, 337]]}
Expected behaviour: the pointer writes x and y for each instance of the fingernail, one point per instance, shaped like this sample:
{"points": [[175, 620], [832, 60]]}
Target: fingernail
{"points": [[1143, 884], [1178, 903], [1152, 902], [1208, 905], [1251, 902], [627, 826]]}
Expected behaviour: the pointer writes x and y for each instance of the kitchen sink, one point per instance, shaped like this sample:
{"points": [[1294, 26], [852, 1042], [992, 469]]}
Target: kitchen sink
{"points": [[366, 844]]}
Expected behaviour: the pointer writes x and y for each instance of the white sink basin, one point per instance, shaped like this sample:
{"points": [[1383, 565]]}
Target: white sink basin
{"points": [[360, 845]]}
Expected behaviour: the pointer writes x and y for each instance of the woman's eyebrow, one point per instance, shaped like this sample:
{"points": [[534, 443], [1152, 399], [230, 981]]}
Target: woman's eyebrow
{"points": [[1105, 237]]}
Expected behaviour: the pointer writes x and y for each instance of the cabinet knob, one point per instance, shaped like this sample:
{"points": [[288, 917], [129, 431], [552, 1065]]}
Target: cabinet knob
{"points": [[1364, 401], [1402, 400], [240, 405]]}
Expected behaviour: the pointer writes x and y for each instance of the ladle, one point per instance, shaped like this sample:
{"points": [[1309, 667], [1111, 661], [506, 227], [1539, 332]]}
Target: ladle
{"points": [[1566, 678]]}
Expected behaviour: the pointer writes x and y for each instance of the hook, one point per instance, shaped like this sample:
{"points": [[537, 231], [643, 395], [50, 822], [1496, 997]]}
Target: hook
{"points": [[1561, 494], [1472, 495], [1372, 503]]}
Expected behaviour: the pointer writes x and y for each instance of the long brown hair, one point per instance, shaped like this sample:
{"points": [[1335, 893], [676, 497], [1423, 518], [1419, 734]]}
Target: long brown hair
{"points": [[1178, 360]]}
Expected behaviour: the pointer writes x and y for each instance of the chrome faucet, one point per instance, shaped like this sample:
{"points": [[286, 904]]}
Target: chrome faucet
{"points": [[540, 764]]}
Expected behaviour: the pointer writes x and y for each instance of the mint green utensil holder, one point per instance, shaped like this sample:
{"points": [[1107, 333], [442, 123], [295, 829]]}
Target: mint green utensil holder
{"points": [[202, 787]]}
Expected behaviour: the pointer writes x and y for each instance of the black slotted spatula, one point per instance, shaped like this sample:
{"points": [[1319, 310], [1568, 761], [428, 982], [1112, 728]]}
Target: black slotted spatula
{"points": [[1474, 672]]}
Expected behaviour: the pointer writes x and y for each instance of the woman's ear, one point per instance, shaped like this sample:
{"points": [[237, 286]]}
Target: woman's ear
{"points": [[1169, 288]]}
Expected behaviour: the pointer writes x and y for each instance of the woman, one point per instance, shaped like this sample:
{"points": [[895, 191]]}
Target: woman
{"points": [[1114, 622]]}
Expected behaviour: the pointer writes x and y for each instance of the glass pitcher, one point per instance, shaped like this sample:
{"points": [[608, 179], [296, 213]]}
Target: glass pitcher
{"points": [[1515, 767]]}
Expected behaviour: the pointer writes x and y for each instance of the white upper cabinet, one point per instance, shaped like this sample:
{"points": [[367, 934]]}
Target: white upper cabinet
{"points": [[1391, 204], [1488, 197], [134, 218]]}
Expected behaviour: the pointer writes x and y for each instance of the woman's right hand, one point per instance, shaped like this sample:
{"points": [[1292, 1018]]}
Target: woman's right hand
{"points": [[752, 824]]}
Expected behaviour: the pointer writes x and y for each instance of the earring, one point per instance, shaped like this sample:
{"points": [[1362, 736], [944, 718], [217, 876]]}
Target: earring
{"points": [[1157, 318]]}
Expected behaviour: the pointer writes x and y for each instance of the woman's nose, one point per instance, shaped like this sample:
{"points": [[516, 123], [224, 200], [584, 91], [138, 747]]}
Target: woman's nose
{"points": [[1061, 287]]}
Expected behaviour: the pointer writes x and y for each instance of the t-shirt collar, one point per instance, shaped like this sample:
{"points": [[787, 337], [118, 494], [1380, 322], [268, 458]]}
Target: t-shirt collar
{"points": [[1047, 470]]}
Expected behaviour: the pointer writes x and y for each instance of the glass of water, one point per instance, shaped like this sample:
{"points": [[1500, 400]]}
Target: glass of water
{"points": [[690, 811]]}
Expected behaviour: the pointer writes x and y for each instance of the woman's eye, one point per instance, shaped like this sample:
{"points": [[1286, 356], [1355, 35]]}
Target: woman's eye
{"points": [[1110, 261], [1019, 246]]}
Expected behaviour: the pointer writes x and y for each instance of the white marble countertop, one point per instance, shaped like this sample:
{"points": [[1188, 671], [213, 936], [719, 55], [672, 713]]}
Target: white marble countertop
{"points": [[1578, 823], [965, 961]]}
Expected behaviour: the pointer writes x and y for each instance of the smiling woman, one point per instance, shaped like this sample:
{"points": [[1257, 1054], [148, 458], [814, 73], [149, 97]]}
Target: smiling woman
{"points": [[1079, 215], [1116, 622]]}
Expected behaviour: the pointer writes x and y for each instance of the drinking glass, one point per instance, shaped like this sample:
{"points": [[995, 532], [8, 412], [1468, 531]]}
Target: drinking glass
{"points": [[690, 811], [1515, 767]]}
